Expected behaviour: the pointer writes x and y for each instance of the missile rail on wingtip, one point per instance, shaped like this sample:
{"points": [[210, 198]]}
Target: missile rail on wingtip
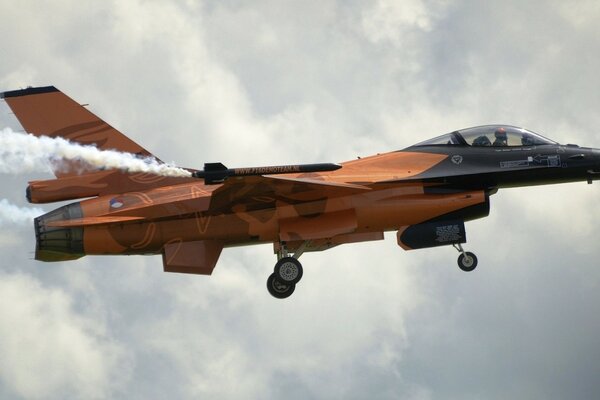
{"points": [[215, 173]]}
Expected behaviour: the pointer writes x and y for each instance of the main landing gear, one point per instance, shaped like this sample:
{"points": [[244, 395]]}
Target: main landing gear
{"points": [[467, 261], [286, 274]]}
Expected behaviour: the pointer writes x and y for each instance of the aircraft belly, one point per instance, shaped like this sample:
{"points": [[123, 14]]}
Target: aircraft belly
{"points": [[390, 214], [326, 225]]}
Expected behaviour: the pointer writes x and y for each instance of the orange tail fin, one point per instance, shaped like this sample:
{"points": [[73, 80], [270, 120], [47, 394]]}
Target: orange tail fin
{"points": [[46, 111]]}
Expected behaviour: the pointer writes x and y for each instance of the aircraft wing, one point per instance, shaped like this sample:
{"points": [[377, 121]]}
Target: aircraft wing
{"points": [[259, 192], [234, 196]]}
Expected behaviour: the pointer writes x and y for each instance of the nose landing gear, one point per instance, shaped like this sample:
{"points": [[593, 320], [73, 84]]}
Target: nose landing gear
{"points": [[467, 261]]}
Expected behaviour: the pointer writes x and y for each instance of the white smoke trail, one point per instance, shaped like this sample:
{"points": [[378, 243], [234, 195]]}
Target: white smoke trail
{"points": [[15, 215], [27, 153]]}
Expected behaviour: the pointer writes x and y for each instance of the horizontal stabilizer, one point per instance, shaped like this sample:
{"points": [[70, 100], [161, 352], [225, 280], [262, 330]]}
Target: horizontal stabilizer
{"points": [[95, 184]]}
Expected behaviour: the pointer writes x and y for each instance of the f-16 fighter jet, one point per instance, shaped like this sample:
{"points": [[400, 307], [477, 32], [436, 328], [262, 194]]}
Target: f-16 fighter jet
{"points": [[425, 193]]}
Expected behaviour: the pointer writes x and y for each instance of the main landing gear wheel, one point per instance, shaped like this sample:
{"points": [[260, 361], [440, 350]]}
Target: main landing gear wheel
{"points": [[288, 271], [278, 289], [467, 261]]}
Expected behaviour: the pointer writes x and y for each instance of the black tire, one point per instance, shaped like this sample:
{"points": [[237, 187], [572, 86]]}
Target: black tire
{"points": [[467, 261], [288, 270], [279, 290]]}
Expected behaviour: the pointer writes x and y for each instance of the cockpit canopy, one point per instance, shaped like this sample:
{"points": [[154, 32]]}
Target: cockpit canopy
{"points": [[490, 135]]}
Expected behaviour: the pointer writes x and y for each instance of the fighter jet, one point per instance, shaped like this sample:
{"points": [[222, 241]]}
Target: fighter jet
{"points": [[425, 193]]}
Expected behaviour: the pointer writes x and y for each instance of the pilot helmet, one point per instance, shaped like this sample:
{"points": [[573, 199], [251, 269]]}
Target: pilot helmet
{"points": [[500, 133], [527, 140]]}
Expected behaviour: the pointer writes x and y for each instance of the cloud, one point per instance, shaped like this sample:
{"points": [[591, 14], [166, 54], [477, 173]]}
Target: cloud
{"points": [[12, 214], [390, 21], [24, 153], [48, 350], [271, 83], [251, 346]]}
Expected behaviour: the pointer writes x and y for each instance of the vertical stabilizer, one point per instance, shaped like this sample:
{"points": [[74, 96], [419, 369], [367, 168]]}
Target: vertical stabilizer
{"points": [[46, 111]]}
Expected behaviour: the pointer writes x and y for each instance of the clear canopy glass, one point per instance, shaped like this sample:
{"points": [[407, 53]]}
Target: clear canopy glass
{"points": [[490, 135]]}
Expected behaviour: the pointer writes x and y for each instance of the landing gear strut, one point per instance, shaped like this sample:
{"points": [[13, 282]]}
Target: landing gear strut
{"points": [[287, 272], [467, 261]]}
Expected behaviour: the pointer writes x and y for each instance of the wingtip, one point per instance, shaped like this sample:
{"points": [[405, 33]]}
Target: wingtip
{"points": [[28, 91]]}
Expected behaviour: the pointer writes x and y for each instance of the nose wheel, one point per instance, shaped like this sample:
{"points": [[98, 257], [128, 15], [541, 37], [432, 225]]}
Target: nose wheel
{"points": [[467, 261]]}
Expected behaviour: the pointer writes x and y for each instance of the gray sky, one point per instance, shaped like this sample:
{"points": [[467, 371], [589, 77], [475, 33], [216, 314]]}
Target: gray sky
{"points": [[264, 82]]}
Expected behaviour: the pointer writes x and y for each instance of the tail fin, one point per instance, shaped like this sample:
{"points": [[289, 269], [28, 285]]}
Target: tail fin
{"points": [[49, 112]]}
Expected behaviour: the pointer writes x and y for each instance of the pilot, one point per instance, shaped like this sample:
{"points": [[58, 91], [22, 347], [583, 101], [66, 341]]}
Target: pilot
{"points": [[501, 138], [482, 141], [527, 140]]}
